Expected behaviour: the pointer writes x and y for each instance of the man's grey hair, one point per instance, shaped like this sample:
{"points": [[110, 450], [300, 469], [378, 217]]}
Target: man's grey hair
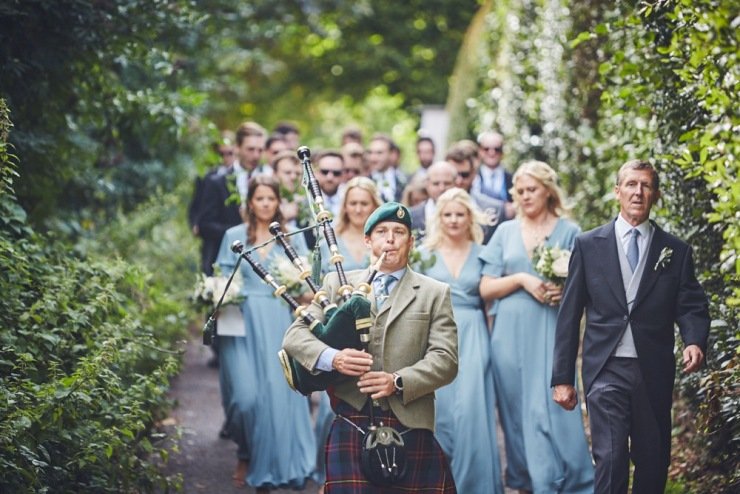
{"points": [[638, 164]]}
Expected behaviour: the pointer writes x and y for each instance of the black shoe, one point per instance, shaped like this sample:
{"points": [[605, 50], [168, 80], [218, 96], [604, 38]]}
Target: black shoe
{"points": [[224, 432]]}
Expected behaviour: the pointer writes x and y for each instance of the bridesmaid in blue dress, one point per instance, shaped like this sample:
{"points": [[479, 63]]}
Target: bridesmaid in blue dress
{"points": [[270, 423], [360, 199], [546, 448], [465, 419]]}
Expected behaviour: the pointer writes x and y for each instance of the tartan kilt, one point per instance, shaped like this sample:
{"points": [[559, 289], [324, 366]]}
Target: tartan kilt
{"points": [[428, 469]]}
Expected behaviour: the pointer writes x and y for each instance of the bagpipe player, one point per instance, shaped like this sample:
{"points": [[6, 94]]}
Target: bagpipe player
{"points": [[412, 351]]}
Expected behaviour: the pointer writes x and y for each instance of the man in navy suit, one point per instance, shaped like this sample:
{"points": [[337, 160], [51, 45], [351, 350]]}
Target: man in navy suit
{"points": [[635, 282]]}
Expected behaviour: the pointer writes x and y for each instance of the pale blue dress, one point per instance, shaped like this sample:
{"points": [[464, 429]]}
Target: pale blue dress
{"points": [[324, 414], [465, 409], [546, 448], [349, 263], [270, 422]]}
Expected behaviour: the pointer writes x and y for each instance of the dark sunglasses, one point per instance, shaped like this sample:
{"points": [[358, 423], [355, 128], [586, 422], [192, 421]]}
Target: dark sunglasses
{"points": [[498, 149], [351, 171], [336, 173], [226, 153], [464, 174]]}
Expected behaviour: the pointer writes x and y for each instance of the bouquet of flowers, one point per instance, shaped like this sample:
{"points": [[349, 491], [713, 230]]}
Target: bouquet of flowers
{"points": [[551, 262], [286, 273], [208, 290]]}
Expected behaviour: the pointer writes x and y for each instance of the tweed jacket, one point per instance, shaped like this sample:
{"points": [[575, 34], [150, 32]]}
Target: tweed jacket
{"points": [[413, 334]]}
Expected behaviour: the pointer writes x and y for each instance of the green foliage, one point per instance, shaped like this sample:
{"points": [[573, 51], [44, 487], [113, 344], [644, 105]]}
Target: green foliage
{"points": [[274, 58], [85, 358], [7, 170], [378, 112], [93, 87]]}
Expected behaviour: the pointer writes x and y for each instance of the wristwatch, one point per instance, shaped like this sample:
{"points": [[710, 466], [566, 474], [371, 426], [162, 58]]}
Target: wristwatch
{"points": [[398, 383]]}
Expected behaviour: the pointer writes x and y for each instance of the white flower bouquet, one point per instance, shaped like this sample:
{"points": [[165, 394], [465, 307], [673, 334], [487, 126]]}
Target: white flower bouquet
{"points": [[286, 273], [208, 290], [551, 263]]}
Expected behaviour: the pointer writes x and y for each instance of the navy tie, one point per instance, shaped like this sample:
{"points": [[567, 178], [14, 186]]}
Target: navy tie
{"points": [[633, 250]]}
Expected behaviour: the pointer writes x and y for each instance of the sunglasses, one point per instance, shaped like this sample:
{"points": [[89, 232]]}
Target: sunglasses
{"points": [[464, 174], [498, 149], [226, 153], [336, 173]]}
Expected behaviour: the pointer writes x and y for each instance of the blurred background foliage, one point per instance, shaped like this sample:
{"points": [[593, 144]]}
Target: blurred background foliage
{"points": [[114, 103]]}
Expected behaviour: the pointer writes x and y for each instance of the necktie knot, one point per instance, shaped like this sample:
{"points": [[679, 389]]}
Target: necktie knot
{"points": [[633, 250]]}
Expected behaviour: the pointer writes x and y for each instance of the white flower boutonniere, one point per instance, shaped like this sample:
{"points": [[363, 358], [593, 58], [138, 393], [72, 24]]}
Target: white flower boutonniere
{"points": [[664, 259]]}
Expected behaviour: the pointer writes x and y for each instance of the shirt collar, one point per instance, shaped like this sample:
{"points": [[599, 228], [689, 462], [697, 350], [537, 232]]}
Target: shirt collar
{"points": [[623, 228], [396, 274]]}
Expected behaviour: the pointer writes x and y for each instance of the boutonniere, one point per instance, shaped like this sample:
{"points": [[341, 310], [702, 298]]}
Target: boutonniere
{"points": [[664, 259]]}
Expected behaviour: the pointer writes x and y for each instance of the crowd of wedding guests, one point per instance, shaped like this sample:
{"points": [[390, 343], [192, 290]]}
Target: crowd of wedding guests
{"points": [[461, 206], [477, 227]]}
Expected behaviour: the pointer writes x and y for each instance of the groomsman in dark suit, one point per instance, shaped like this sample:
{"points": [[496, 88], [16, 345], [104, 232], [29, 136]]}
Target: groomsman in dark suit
{"points": [[220, 211], [224, 147], [493, 179], [440, 177], [635, 282], [390, 180], [494, 210]]}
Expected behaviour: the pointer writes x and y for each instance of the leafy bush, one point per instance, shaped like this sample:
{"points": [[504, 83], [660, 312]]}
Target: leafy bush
{"points": [[85, 358]]}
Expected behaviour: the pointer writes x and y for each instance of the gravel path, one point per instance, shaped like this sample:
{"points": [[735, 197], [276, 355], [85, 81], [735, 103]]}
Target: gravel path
{"points": [[205, 461]]}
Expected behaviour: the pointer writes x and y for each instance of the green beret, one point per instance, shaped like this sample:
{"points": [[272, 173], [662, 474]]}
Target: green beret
{"points": [[390, 211]]}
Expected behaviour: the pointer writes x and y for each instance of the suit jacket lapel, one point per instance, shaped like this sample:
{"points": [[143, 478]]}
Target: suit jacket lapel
{"points": [[403, 294], [649, 274], [612, 271]]}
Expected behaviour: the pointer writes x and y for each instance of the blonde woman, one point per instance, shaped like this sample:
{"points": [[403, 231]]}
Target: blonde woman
{"points": [[360, 199], [269, 422], [546, 449], [465, 422]]}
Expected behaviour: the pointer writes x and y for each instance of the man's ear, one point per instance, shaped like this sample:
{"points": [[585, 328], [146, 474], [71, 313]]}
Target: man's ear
{"points": [[368, 243]]}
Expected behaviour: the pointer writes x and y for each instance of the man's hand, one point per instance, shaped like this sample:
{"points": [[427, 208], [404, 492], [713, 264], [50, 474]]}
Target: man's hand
{"points": [[565, 395], [351, 362], [692, 358], [379, 383]]}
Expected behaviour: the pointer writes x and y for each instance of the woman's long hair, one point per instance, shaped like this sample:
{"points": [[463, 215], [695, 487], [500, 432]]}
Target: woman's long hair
{"points": [[460, 196], [544, 174], [255, 182], [365, 184]]}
